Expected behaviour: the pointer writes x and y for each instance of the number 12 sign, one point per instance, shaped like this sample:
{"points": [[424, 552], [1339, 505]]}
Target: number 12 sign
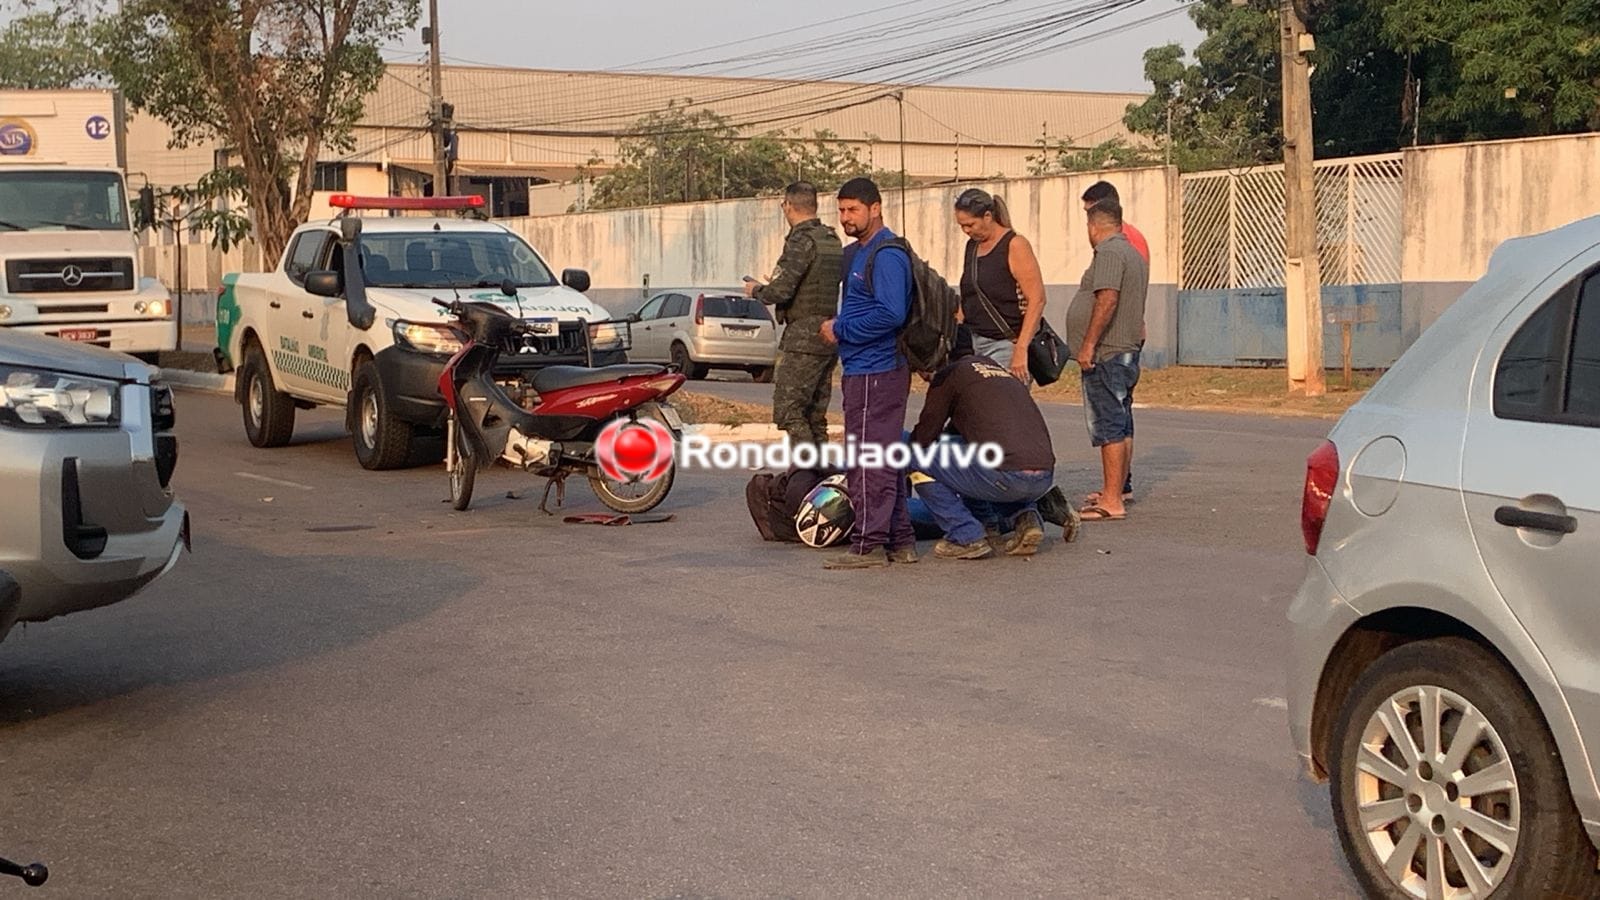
{"points": [[98, 128]]}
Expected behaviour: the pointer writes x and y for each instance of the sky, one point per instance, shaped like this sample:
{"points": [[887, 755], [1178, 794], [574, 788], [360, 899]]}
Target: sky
{"points": [[604, 34]]}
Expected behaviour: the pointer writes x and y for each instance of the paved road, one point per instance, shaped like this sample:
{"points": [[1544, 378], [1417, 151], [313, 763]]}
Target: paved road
{"points": [[350, 690]]}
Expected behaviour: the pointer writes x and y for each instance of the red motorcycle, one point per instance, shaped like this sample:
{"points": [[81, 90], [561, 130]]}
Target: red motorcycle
{"points": [[562, 421]]}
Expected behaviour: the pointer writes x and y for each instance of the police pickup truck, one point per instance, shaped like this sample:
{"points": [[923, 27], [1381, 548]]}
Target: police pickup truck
{"points": [[347, 320]]}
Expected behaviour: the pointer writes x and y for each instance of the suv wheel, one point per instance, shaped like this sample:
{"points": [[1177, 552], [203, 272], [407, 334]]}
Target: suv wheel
{"points": [[268, 412], [1447, 783], [680, 358], [381, 440]]}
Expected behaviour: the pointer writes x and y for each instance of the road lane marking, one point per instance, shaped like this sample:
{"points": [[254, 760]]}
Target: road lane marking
{"points": [[278, 481], [1272, 702]]}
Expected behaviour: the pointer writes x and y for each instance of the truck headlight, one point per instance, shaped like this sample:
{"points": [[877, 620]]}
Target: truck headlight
{"points": [[427, 337], [152, 308], [35, 399], [608, 336]]}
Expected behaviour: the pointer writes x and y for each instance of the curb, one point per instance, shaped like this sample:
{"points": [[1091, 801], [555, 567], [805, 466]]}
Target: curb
{"points": [[204, 381]]}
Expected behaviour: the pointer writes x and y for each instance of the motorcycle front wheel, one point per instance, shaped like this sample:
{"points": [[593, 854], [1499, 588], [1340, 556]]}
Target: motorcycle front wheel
{"points": [[463, 471]]}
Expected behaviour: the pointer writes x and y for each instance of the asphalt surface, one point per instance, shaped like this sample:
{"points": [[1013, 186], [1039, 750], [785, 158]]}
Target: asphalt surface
{"points": [[351, 690]]}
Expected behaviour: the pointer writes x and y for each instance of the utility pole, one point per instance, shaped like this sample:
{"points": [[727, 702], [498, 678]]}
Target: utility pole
{"points": [[1302, 270], [900, 98], [441, 163]]}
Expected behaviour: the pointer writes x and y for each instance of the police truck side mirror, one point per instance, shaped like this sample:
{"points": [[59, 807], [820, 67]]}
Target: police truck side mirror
{"points": [[323, 284], [577, 279], [147, 207]]}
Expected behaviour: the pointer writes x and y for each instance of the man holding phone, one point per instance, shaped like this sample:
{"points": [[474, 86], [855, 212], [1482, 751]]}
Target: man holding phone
{"points": [[803, 293]]}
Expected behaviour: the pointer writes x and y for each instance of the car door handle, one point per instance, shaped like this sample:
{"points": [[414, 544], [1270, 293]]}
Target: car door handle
{"points": [[1517, 517], [275, 305], [308, 314]]}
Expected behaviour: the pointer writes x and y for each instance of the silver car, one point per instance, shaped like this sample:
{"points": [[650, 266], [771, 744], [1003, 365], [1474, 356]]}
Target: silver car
{"points": [[700, 330], [86, 462], [1445, 674]]}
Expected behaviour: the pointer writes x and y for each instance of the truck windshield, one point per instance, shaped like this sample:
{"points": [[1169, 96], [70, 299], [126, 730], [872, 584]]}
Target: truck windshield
{"points": [[62, 201], [429, 259]]}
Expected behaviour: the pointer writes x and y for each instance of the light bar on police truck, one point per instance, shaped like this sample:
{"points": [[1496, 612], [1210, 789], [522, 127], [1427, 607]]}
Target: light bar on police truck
{"points": [[350, 201]]}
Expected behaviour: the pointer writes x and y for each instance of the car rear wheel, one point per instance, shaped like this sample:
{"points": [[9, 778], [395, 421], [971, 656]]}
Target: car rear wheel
{"points": [[381, 440], [1447, 783], [268, 412], [762, 374], [680, 358]]}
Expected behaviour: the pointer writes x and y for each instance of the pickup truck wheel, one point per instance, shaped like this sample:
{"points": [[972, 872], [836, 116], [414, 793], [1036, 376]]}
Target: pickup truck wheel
{"points": [[268, 412], [381, 440]]}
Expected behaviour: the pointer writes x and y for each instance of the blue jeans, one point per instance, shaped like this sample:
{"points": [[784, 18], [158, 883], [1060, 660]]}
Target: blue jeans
{"points": [[964, 499], [1108, 398]]}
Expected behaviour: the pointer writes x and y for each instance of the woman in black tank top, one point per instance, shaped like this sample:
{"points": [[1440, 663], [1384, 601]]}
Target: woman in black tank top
{"points": [[1000, 268]]}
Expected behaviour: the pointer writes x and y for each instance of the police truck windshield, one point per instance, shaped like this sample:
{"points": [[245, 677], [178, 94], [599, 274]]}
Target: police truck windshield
{"points": [[62, 201], [450, 260]]}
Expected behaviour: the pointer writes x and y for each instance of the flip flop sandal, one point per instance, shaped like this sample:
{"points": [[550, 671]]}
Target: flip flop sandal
{"points": [[1099, 514], [1093, 497]]}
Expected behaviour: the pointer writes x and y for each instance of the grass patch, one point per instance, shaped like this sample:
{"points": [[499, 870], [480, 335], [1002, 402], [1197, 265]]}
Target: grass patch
{"points": [[1235, 389], [703, 409]]}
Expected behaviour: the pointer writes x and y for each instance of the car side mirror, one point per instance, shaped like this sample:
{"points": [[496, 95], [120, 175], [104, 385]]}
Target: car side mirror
{"points": [[632, 317], [323, 284], [577, 279], [147, 207]]}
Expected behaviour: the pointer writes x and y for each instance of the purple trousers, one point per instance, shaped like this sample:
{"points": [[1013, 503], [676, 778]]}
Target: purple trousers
{"points": [[875, 413]]}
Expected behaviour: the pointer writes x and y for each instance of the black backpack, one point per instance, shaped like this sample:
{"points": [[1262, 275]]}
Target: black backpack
{"points": [[930, 328]]}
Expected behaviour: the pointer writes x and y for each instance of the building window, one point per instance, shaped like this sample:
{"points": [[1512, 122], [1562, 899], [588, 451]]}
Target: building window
{"points": [[330, 177]]}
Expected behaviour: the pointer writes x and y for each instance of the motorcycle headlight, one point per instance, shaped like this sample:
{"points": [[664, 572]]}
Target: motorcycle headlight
{"points": [[30, 398], [607, 336], [427, 337]]}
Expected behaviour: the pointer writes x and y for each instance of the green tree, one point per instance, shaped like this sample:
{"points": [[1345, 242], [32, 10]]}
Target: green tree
{"points": [[679, 155], [1510, 68], [48, 49], [1062, 156], [278, 82]]}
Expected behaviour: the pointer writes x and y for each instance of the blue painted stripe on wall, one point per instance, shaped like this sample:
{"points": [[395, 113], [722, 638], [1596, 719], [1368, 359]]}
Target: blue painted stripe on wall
{"points": [[1248, 327]]}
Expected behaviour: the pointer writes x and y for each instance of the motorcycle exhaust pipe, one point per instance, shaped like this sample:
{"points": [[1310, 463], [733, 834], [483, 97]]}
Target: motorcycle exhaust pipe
{"points": [[32, 874]]}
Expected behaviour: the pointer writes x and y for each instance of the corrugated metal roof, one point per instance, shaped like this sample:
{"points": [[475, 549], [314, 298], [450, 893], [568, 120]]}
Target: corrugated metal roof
{"points": [[539, 101]]}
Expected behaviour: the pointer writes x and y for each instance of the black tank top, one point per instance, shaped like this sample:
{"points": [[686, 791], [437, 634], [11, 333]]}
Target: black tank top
{"points": [[993, 272]]}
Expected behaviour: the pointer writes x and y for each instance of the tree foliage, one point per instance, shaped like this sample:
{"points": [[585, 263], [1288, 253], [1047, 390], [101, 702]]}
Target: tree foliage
{"points": [[679, 155], [48, 49], [277, 82]]}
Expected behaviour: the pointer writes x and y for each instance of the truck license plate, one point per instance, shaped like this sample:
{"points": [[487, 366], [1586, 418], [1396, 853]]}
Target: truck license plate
{"points": [[78, 334]]}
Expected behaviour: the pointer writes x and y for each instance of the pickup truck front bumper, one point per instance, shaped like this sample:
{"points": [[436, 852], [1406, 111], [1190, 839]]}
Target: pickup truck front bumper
{"points": [[411, 379]]}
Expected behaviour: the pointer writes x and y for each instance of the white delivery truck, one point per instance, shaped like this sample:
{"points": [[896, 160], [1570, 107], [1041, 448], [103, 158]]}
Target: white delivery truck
{"points": [[69, 260]]}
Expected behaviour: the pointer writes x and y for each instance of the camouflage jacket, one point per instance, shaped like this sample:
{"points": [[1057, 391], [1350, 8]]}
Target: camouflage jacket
{"points": [[805, 289]]}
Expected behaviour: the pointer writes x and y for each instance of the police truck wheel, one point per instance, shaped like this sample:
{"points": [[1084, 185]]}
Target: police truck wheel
{"points": [[381, 440], [268, 412]]}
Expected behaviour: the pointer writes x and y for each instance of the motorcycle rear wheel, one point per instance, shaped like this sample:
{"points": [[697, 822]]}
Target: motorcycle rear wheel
{"points": [[608, 491]]}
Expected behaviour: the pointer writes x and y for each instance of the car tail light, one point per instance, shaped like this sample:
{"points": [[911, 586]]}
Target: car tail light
{"points": [[700, 310], [1322, 475]]}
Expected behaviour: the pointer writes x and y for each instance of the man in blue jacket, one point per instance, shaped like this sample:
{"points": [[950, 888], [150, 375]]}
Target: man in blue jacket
{"points": [[876, 381]]}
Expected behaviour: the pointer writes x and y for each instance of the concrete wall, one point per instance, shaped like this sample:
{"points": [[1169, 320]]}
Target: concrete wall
{"points": [[1462, 201], [715, 244]]}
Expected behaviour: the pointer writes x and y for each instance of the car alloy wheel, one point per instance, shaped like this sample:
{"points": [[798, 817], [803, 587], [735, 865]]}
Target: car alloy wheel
{"points": [[1437, 795]]}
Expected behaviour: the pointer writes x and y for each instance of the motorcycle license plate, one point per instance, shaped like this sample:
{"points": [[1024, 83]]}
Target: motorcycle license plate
{"points": [[672, 417], [544, 327], [79, 334]]}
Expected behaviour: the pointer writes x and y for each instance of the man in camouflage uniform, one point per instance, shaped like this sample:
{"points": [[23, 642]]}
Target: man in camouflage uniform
{"points": [[803, 293]]}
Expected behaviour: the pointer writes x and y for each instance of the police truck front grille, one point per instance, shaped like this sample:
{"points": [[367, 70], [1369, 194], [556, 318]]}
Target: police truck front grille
{"points": [[72, 275]]}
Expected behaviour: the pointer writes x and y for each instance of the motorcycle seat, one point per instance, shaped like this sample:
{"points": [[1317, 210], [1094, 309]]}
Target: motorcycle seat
{"points": [[558, 378]]}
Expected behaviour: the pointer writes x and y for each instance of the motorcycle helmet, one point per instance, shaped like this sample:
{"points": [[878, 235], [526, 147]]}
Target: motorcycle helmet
{"points": [[825, 515]]}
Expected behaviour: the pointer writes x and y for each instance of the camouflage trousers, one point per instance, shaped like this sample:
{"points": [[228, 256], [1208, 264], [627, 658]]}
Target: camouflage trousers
{"points": [[801, 389]]}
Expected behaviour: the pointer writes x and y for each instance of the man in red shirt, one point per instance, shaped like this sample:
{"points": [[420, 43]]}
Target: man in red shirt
{"points": [[1103, 190]]}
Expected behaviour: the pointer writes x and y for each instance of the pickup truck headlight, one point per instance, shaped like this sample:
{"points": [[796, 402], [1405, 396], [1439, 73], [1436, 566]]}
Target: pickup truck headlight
{"points": [[427, 337], [608, 336], [31, 398]]}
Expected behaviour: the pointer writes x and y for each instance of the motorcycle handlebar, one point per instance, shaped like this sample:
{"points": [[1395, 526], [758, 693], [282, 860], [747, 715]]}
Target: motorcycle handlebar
{"points": [[32, 874]]}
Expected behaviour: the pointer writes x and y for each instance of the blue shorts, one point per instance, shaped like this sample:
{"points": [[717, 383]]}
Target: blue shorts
{"points": [[1108, 398]]}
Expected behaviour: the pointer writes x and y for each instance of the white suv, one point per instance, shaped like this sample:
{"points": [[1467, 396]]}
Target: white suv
{"points": [[1446, 664]]}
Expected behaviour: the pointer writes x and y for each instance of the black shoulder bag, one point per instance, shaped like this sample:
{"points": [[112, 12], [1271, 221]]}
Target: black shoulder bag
{"points": [[1048, 354]]}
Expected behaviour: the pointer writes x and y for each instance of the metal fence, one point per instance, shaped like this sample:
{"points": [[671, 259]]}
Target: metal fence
{"points": [[1233, 224]]}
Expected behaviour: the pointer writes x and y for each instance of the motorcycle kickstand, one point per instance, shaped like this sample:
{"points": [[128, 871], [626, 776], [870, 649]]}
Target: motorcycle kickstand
{"points": [[559, 482]]}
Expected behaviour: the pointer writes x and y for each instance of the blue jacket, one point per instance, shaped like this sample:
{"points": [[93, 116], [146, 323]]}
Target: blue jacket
{"points": [[870, 317]]}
